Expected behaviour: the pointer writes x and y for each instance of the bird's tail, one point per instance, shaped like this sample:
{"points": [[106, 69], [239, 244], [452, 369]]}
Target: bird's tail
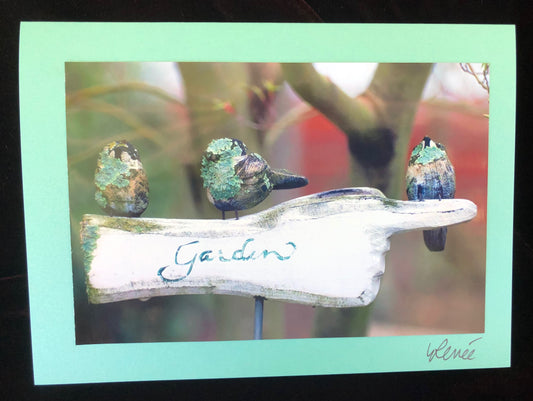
{"points": [[283, 179], [435, 239]]}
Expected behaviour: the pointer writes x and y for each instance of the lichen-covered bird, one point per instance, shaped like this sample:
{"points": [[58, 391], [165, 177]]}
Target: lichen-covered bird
{"points": [[120, 180], [236, 180], [430, 175]]}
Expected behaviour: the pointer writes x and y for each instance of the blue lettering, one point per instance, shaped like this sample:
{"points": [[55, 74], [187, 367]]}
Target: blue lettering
{"points": [[190, 263], [221, 257], [207, 255], [204, 256], [239, 253], [277, 254]]}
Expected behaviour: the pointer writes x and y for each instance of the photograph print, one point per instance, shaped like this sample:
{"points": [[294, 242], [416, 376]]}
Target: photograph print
{"points": [[203, 194]]}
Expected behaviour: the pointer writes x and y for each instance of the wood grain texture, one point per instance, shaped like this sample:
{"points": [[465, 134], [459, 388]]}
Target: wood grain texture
{"points": [[324, 249]]}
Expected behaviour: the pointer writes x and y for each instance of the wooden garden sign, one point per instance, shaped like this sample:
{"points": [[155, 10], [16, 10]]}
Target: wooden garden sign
{"points": [[325, 249]]}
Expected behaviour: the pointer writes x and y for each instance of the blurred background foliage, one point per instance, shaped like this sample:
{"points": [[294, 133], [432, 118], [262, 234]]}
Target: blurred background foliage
{"points": [[323, 121]]}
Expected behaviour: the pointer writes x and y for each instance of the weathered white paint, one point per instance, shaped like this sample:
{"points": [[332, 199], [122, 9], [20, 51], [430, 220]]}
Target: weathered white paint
{"points": [[330, 249]]}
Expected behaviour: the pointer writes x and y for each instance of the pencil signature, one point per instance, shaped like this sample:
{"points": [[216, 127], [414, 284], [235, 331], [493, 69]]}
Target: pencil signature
{"points": [[446, 352]]}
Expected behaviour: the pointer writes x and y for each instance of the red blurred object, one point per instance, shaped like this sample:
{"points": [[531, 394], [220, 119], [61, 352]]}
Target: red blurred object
{"points": [[228, 108], [462, 128], [327, 161], [421, 298], [464, 131]]}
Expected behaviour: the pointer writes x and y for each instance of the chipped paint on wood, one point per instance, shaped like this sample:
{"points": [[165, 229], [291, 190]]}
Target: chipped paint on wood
{"points": [[325, 249]]}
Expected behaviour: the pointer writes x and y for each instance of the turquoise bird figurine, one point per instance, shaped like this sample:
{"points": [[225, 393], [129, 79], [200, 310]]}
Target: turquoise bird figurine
{"points": [[237, 180], [121, 181], [430, 175]]}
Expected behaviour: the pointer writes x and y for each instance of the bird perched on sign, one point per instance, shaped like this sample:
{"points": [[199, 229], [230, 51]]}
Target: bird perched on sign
{"points": [[430, 175], [236, 180], [121, 181]]}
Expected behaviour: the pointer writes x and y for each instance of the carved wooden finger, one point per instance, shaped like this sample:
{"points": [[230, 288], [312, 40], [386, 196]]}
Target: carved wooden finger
{"points": [[324, 249]]}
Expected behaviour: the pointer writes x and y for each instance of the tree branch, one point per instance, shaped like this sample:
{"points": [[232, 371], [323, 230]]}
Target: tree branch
{"points": [[378, 123], [100, 90], [347, 113]]}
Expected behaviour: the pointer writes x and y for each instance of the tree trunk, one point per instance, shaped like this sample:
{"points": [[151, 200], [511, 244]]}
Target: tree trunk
{"points": [[378, 125]]}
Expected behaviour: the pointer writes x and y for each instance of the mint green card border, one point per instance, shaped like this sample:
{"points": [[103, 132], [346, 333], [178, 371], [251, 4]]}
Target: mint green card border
{"points": [[44, 49]]}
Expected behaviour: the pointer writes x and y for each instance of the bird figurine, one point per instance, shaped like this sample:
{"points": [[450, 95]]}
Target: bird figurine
{"points": [[430, 175], [237, 180], [120, 180]]}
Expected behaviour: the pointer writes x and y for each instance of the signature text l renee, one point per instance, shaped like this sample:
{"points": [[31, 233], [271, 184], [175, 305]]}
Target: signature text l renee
{"points": [[446, 352]]}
